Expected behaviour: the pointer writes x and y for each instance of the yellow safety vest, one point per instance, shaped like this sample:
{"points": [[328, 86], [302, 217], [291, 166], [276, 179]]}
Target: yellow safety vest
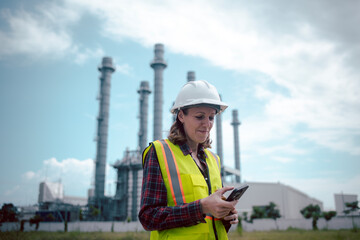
{"points": [[184, 184]]}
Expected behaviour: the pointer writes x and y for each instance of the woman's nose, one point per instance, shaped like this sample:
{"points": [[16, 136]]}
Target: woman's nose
{"points": [[207, 122]]}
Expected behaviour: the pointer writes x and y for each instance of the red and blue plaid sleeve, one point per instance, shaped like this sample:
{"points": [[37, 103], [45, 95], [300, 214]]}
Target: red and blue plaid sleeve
{"points": [[154, 213]]}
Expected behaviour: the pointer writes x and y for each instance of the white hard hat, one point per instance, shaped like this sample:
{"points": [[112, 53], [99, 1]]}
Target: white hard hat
{"points": [[195, 93]]}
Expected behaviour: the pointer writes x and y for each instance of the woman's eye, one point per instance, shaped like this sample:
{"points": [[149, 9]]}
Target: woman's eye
{"points": [[211, 118]]}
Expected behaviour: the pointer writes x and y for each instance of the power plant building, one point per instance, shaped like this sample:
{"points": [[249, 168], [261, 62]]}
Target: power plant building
{"points": [[125, 204], [50, 192], [341, 200], [288, 200], [129, 168]]}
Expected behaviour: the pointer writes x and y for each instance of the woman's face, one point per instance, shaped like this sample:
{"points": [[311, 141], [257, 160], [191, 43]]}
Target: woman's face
{"points": [[197, 123]]}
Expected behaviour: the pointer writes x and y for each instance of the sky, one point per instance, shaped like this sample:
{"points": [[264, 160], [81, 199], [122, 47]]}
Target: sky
{"points": [[290, 68]]}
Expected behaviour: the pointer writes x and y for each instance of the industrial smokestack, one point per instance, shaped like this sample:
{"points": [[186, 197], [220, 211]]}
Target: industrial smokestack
{"points": [[190, 76], [174, 116], [158, 64], [106, 68], [144, 92], [219, 143], [236, 124]]}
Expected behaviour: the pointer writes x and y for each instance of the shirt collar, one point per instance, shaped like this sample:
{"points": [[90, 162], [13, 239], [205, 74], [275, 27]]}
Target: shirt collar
{"points": [[187, 150]]}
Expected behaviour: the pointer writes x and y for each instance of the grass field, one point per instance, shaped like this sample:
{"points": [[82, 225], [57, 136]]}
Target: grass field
{"points": [[272, 235]]}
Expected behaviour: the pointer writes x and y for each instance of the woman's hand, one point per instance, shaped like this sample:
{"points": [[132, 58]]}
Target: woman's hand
{"points": [[216, 206], [232, 217]]}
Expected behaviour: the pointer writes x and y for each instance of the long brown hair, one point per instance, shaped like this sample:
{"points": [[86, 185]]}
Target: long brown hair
{"points": [[177, 133]]}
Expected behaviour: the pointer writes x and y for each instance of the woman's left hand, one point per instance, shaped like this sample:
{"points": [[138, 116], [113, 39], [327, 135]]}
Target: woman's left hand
{"points": [[232, 217]]}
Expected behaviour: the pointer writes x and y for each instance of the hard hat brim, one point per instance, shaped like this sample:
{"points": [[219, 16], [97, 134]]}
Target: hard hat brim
{"points": [[218, 106]]}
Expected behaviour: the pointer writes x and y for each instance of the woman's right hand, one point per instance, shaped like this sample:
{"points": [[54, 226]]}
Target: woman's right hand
{"points": [[216, 206]]}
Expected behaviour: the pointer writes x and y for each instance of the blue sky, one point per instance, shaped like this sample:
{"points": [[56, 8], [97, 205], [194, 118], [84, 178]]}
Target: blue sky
{"points": [[290, 69]]}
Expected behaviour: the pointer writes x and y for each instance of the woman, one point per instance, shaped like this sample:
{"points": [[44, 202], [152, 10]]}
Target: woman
{"points": [[182, 189]]}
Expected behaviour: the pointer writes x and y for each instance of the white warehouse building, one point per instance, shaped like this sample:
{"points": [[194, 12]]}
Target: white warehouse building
{"points": [[288, 200]]}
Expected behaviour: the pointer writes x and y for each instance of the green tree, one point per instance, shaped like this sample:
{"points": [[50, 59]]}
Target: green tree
{"points": [[50, 218], [272, 212], [65, 226], [35, 220], [328, 216], [352, 207], [94, 212], [8, 213], [245, 217], [267, 211], [258, 212], [81, 215], [22, 224], [312, 211]]}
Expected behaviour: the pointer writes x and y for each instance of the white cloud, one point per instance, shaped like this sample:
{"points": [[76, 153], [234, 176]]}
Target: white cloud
{"points": [[294, 49], [75, 175], [255, 135], [29, 175], [44, 34], [324, 188], [124, 69], [12, 190], [283, 159], [31, 34], [70, 168], [336, 140], [83, 56]]}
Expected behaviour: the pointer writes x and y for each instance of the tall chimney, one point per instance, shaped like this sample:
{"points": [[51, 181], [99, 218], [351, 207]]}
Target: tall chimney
{"points": [[236, 124], [106, 68], [190, 76], [158, 64], [219, 143], [144, 92]]}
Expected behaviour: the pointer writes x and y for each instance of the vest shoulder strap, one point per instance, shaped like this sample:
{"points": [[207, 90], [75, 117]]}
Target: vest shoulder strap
{"points": [[215, 156], [166, 155], [145, 152]]}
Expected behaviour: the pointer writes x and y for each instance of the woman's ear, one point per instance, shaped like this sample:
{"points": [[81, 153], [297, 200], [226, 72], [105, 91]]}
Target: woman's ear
{"points": [[181, 116]]}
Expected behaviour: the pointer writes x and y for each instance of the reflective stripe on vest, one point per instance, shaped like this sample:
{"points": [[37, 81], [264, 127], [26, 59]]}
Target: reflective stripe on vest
{"points": [[172, 169], [216, 158], [209, 216]]}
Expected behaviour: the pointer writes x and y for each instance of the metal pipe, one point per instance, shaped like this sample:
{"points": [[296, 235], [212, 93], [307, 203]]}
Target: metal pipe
{"points": [[106, 68], [144, 92], [174, 116], [158, 64], [235, 123], [190, 76], [219, 143], [134, 210]]}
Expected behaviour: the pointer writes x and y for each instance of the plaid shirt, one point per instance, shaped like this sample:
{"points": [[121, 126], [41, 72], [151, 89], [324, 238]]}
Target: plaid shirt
{"points": [[155, 214]]}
